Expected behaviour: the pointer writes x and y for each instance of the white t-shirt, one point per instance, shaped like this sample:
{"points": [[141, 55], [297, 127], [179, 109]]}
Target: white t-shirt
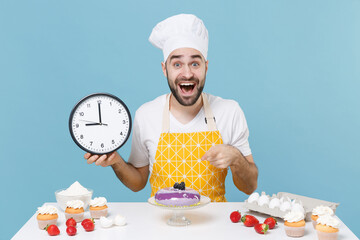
{"points": [[230, 121]]}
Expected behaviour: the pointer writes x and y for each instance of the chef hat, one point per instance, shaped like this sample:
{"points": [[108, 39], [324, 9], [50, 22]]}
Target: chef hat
{"points": [[180, 31]]}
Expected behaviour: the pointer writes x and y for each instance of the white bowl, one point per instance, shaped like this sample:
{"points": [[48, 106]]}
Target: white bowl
{"points": [[63, 199]]}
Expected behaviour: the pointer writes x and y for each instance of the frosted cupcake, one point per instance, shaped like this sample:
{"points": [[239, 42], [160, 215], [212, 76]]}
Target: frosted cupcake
{"points": [[98, 207], [319, 211], [47, 215], [294, 224], [75, 209], [327, 227]]}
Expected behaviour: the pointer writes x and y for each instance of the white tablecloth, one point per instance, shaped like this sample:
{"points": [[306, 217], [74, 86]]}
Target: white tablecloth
{"points": [[145, 221]]}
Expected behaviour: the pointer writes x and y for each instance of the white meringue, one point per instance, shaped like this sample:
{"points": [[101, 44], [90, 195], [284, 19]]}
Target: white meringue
{"points": [[254, 197], [285, 206], [298, 207], [275, 202], [105, 222], [119, 220], [263, 199]]}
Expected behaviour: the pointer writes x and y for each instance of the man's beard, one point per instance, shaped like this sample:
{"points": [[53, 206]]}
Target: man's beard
{"points": [[177, 96], [182, 101]]}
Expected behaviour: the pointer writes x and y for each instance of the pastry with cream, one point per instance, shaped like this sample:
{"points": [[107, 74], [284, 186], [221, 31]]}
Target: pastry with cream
{"points": [[327, 227], [98, 207], [319, 211], [294, 224], [75, 209], [47, 215]]}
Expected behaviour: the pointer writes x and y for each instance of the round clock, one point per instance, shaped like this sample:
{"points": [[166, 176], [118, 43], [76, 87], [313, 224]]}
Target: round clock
{"points": [[100, 123]]}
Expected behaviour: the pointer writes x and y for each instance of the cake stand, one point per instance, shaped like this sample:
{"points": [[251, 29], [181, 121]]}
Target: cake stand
{"points": [[178, 218]]}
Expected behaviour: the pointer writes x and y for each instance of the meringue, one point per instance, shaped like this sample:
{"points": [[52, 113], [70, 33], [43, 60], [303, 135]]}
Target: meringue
{"points": [[105, 222], [254, 197], [119, 220], [275, 202], [285, 206], [298, 207], [263, 199]]}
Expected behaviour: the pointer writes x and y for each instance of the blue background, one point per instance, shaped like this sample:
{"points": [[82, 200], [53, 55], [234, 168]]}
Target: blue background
{"points": [[294, 67]]}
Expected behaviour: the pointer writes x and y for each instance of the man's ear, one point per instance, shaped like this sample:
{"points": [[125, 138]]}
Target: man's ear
{"points": [[206, 66], [163, 66]]}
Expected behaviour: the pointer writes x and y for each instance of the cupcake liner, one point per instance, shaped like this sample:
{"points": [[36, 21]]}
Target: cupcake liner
{"points": [[99, 213], [313, 223], [43, 223], [78, 217], [294, 231], [327, 236]]}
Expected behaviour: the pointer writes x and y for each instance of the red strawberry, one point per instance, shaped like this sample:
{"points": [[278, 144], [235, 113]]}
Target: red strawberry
{"points": [[87, 220], [235, 216], [271, 222], [261, 228], [88, 226], [52, 230], [249, 220], [71, 222], [71, 230]]}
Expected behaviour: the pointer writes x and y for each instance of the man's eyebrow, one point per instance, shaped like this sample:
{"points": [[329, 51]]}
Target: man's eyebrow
{"points": [[197, 56], [175, 56]]}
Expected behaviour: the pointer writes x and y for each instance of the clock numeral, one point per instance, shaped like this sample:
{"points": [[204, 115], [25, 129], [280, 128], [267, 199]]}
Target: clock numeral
{"points": [[110, 103], [77, 125], [124, 121], [88, 105], [81, 136], [91, 142], [99, 101], [121, 133], [113, 141], [102, 145], [81, 114], [119, 110]]}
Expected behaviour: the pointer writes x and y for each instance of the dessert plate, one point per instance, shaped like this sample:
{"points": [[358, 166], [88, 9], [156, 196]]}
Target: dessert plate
{"points": [[203, 201], [178, 218]]}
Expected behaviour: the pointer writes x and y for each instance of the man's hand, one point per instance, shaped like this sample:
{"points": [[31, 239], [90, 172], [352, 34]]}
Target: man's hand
{"points": [[103, 160], [222, 155]]}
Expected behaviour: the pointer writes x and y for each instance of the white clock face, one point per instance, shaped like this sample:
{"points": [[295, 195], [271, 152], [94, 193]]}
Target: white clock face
{"points": [[100, 123]]}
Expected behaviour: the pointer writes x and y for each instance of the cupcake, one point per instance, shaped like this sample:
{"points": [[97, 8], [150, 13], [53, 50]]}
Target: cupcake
{"points": [[47, 215], [318, 211], [98, 207], [294, 224], [327, 227], [75, 209]]}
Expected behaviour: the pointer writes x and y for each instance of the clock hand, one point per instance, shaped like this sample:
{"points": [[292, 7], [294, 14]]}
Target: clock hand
{"points": [[99, 113]]}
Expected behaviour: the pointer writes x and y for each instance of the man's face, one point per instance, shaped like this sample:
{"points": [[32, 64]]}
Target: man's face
{"points": [[185, 70]]}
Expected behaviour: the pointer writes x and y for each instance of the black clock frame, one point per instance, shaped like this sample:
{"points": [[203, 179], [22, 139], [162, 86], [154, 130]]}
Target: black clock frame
{"points": [[81, 101]]}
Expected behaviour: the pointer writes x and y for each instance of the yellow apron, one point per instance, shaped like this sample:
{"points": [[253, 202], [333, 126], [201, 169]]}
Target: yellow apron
{"points": [[178, 158]]}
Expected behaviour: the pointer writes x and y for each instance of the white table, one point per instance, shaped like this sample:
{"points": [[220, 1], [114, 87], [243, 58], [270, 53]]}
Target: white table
{"points": [[145, 221]]}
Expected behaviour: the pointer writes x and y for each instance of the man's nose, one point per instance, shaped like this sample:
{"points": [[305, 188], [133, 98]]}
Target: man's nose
{"points": [[187, 72]]}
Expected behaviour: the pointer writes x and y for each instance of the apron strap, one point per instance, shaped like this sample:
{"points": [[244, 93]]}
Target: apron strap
{"points": [[209, 116]]}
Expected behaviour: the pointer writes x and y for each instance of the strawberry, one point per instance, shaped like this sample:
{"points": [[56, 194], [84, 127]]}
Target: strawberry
{"points": [[52, 230], [235, 216], [71, 222], [261, 228], [87, 220], [249, 220], [71, 230], [271, 222], [88, 225]]}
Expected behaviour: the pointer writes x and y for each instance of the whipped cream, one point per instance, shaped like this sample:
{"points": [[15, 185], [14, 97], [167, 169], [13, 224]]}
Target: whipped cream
{"points": [[328, 220], [48, 209], [98, 202], [75, 204], [294, 216], [322, 210], [75, 189]]}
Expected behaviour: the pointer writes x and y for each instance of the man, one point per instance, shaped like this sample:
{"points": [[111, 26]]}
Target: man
{"points": [[187, 135]]}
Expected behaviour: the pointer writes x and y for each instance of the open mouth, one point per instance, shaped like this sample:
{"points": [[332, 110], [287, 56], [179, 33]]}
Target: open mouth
{"points": [[187, 88]]}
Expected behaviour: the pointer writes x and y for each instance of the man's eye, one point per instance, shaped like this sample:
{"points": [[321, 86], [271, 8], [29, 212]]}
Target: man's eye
{"points": [[195, 64], [177, 64]]}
